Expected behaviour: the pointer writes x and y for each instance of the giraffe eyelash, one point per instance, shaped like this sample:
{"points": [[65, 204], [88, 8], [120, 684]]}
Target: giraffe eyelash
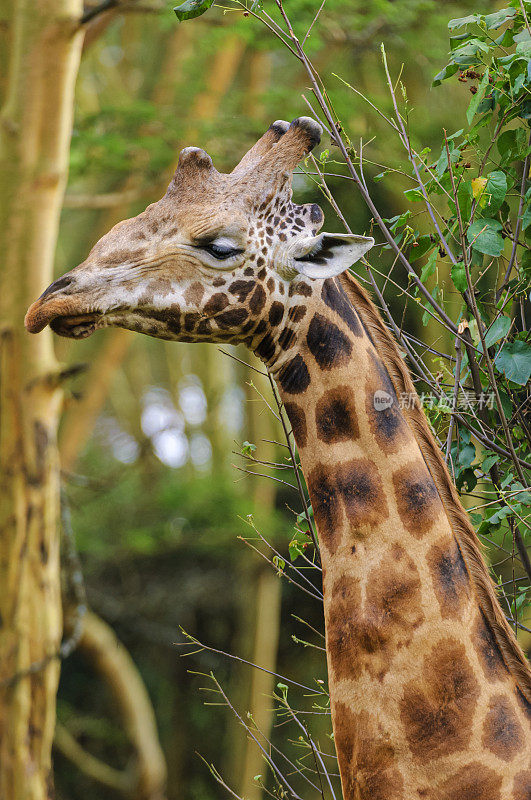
{"points": [[221, 252]]}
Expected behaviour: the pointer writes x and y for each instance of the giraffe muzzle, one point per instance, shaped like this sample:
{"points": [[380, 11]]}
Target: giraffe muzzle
{"points": [[65, 315]]}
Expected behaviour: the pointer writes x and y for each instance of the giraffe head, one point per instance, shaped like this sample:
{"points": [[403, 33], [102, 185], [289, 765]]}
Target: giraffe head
{"points": [[214, 260]]}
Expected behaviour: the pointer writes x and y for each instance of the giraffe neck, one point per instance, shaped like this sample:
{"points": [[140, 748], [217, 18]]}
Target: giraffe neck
{"points": [[419, 690]]}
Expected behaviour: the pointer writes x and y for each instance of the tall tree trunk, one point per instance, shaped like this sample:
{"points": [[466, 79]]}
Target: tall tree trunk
{"points": [[35, 125]]}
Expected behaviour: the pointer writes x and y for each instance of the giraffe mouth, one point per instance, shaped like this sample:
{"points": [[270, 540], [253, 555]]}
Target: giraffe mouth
{"points": [[67, 315], [79, 326]]}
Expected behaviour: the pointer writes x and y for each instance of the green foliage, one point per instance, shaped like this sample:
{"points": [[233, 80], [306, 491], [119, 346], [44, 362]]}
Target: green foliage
{"points": [[465, 226], [486, 199], [514, 360], [192, 9]]}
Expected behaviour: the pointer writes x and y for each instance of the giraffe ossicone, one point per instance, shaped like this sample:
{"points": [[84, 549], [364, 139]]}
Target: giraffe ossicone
{"points": [[430, 692]]}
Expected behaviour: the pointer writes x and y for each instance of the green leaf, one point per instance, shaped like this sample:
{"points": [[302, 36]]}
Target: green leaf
{"points": [[192, 8], [459, 276], [499, 515], [414, 195], [447, 72], [489, 462], [523, 496], [248, 448], [469, 54], [458, 39], [524, 48], [514, 360], [506, 144], [468, 477], [279, 563], [464, 198], [399, 221], [499, 328], [525, 263], [497, 19], [526, 218], [429, 267], [467, 455], [494, 192], [523, 40], [421, 247], [462, 21], [298, 544], [477, 98], [485, 236], [427, 314]]}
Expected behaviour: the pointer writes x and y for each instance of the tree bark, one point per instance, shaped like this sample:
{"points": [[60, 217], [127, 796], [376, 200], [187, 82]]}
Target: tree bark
{"points": [[35, 126]]}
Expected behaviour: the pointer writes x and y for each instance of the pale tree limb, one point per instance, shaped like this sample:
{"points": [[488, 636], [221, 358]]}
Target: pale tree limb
{"points": [[121, 781], [146, 779]]}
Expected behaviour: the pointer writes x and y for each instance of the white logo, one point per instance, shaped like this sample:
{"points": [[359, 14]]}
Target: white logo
{"points": [[382, 400]]}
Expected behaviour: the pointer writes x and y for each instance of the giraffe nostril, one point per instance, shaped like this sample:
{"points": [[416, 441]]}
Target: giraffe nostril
{"points": [[60, 283]]}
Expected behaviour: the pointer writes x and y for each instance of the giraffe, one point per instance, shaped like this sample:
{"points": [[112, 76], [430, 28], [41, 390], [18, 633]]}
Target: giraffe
{"points": [[430, 692]]}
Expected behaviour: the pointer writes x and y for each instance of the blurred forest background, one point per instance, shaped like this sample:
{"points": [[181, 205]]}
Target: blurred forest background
{"points": [[154, 436]]}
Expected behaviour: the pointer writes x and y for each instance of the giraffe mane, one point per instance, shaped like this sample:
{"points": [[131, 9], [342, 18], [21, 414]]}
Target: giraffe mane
{"points": [[469, 544]]}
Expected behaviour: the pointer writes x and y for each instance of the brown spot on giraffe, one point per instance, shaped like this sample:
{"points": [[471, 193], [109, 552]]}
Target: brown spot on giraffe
{"points": [[503, 734], [258, 300], [450, 577], [287, 338], [296, 313], [194, 294], [370, 768], [266, 349], [335, 416], [218, 302], [326, 505], [231, 318], [327, 343], [386, 420], [417, 499], [276, 312], [361, 490], [522, 786], [437, 709], [241, 289], [294, 377], [297, 417], [488, 651], [366, 635], [473, 782], [123, 256], [335, 298]]}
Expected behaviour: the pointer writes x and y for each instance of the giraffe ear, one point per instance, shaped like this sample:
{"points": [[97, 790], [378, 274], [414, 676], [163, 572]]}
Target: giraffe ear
{"points": [[329, 254]]}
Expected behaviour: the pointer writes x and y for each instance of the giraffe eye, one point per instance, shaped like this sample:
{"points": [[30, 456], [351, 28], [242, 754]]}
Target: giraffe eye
{"points": [[221, 251]]}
